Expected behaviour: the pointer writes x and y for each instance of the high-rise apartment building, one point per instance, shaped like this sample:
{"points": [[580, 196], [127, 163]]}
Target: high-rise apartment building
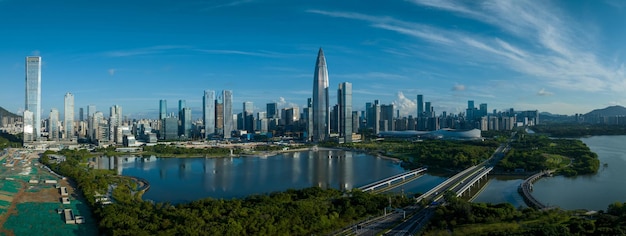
{"points": [[33, 92], [208, 112], [321, 116], [344, 100], [68, 116], [115, 120], [227, 96]]}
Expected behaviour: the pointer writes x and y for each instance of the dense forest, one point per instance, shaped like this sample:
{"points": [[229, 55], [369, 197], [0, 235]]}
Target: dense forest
{"points": [[579, 130], [293, 212], [432, 153], [460, 217], [538, 152]]}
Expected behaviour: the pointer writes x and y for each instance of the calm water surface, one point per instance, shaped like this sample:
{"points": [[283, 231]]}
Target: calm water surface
{"points": [[186, 179], [591, 192]]}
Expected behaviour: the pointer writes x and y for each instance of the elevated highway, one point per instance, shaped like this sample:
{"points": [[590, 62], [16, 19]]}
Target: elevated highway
{"points": [[393, 179], [418, 216]]}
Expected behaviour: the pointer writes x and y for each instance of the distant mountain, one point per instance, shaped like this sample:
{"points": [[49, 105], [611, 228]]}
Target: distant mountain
{"points": [[609, 111], [5, 113]]}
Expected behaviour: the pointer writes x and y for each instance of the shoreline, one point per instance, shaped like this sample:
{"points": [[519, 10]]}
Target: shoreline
{"points": [[261, 153]]}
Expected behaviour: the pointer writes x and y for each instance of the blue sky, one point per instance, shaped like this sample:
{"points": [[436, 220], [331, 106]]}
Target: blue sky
{"points": [[564, 57]]}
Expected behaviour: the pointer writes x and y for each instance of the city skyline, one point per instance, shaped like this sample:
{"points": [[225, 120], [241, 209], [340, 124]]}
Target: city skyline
{"points": [[557, 56]]}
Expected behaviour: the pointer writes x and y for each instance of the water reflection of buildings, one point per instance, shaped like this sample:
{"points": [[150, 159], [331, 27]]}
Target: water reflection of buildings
{"points": [[119, 163], [323, 174]]}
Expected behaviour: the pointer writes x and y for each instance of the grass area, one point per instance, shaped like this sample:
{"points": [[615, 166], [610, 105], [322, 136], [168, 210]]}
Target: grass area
{"points": [[556, 161]]}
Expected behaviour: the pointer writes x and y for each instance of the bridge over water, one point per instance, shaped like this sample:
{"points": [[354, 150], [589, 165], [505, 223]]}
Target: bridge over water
{"points": [[393, 179], [527, 186]]}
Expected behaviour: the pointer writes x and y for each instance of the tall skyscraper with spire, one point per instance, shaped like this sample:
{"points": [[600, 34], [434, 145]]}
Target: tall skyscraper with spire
{"points": [[33, 93], [321, 118]]}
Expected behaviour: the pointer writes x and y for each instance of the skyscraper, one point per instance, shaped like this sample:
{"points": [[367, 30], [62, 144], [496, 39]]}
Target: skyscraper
{"points": [[28, 126], [420, 105], [53, 125], [271, 110], [344, 97], [33, 92], [248, 117], [81, 114], [68, 115], [321, 118], [162, 109], [91, 109], [186, 122], [227, 96], [208, 112], [181, 104], [115, 121]]}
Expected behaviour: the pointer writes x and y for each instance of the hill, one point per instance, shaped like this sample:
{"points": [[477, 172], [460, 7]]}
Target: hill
{"points": [[608, 111], [5, 113]]}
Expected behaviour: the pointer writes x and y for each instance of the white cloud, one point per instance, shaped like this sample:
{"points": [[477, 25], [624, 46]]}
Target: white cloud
{"points": [[543, 92], [283, 103], [406, 106], [112, 71]]}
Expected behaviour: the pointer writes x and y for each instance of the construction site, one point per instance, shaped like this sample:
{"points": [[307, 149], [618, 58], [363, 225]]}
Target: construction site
{"points": [[36, 201]]}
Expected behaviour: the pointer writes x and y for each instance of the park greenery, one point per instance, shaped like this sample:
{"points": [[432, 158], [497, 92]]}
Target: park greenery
{"points": [[9, 140], [538, 152], [293, 212], [460, 217], [160, 149], [575, 130], [431, 153]]}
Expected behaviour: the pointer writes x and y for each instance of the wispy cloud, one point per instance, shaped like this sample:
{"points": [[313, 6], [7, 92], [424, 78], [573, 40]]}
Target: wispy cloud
{"points": [[112, 71], [238, 52], [458, 87], [145, 51], [226, 4], [372, 75], [539, 41]]}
